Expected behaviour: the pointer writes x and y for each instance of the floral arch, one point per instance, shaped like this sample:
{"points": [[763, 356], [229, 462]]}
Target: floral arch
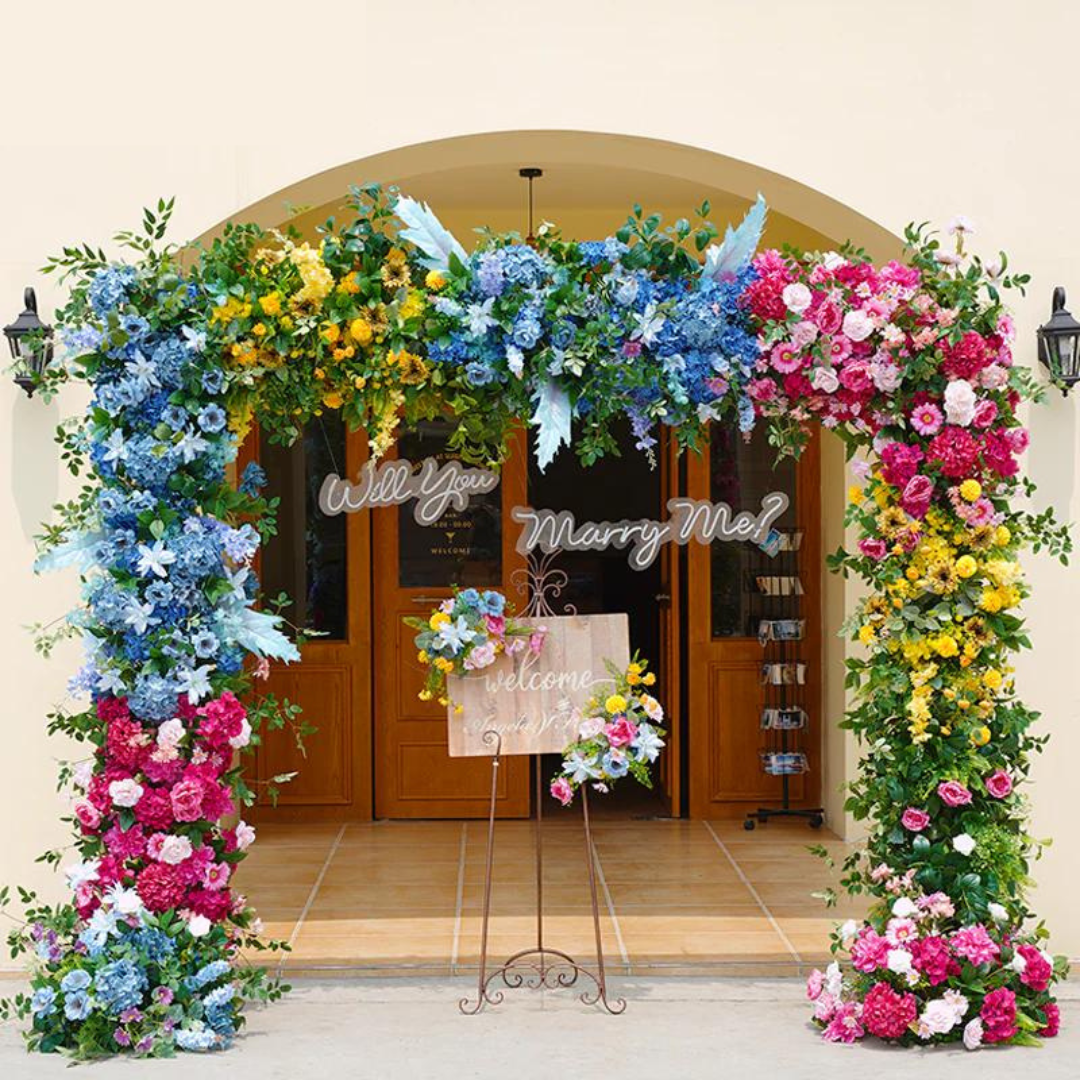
{"points": [[388, 318]]}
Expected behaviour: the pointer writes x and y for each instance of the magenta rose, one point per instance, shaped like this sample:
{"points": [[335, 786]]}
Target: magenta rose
{"points": [[88, 814], [828, 317], [621, 732], [873, 549], [999, 784], [914, 820]]}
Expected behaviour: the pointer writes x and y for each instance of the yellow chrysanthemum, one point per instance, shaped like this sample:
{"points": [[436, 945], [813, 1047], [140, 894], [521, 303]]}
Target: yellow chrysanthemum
{"points": [[434, 280], [1002, 536], [615, 704], [271, 303], [867, 634], [945, 645], [361, 332], [970, 490], [855, 494]]}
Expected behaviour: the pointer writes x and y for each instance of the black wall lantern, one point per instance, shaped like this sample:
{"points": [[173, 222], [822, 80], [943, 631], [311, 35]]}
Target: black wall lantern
{"points": [[1059, 345], [31, 344]]}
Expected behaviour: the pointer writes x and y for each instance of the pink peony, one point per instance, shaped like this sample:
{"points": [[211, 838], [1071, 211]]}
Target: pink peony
{"points": [[154, 809], [873, 549], [914, 820], [899, 463], [828, 317], [1038, 971], [998, 1014], [999, 784], [953, 793], [815, 983], [985, 413], [886, 1013], [87, 813], [917, 494], [186, 798], [846, 1025], [975, 944]]}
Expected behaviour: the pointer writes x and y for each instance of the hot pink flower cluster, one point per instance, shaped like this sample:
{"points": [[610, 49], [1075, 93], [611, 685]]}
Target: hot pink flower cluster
{"points": [[918, 975], [153, 803]]}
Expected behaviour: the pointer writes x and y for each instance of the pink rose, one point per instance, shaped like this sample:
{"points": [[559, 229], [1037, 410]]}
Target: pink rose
{"points": [[621, 732], [999, 784], [914, 820], [953, 793], [815, 983], [985, 413], [496, 625], [561, 790], [87, 813], [917, 494]]}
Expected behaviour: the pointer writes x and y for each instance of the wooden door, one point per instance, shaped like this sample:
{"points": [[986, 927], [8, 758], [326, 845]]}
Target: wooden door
{"points": [[324, 564], [667, 664], [414, 568], [725, 657]]}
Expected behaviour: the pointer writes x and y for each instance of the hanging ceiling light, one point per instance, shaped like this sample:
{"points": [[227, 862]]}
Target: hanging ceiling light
{"points": [[530, 173]]}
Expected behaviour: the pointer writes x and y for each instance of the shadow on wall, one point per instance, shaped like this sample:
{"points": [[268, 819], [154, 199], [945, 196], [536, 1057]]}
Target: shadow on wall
{"points": [[35, 461]]}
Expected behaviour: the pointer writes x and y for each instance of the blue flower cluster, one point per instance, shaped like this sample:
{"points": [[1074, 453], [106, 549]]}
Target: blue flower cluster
{"points": [[614, 337], [171, 611], [119, 985]]}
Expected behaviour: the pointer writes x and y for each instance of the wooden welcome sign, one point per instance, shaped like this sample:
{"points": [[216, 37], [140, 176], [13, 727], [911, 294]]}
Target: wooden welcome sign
{"points": [[534, 702]]}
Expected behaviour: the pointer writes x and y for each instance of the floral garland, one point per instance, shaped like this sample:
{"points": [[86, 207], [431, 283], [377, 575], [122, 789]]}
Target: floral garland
{"points": [[912, 364], [465, 633], [619, 736], [389, 318]]}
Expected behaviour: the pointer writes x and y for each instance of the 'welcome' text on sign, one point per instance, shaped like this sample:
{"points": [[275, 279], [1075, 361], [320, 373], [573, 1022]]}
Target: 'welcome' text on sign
{"points": [[534, 702]]}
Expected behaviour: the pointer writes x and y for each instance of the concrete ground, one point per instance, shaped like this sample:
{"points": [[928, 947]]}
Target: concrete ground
{"points": [[682, 1029]]}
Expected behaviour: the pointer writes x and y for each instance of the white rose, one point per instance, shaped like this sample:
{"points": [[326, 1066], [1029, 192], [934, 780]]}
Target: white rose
{"points": [[238, 742], [963, 843], [997, 912], [82, 873], [170, 733], [245, 835], [797, 297], [591, 727], [82, 774], [1018, 963], [125, 901], [833, 260], [960, 402], [125, 793], [939, 1017], [848, 930], [824, 379], [834, 980], [175, 849], [858, 325], [905, 908], [199, 926]]}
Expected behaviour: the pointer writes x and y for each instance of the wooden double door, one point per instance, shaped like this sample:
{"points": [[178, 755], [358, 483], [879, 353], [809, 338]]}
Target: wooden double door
{"points": [[380, 751]]}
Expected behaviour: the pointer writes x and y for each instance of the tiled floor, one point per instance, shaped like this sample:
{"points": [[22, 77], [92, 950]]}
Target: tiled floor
{"points": [[406, 897]]}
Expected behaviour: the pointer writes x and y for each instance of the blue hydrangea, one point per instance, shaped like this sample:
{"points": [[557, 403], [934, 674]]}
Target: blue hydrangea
{"points": [[253, 479], [195, 1039], [452, 350], [489, 274], [43, 1001], [120, 985], [153, 698], [154, 944], [207, 974], [108, 289], [527, 328], [479, 373]]}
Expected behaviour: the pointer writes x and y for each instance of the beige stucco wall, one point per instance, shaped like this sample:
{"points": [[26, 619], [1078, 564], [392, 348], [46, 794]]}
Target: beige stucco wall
{"points": [[915, 110]]}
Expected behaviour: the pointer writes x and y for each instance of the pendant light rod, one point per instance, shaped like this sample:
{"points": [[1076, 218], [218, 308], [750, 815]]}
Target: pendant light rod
{"points": [[530, 173]]}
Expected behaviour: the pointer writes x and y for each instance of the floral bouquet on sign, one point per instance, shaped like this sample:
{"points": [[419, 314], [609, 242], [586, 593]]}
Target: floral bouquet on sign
{"points": [[467, 633], [619, 735]]}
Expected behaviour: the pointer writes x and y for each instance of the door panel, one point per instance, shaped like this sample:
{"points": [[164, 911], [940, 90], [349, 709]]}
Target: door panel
{"points": [[667, 663], [324, 564], [414, 567], [725, 657]]}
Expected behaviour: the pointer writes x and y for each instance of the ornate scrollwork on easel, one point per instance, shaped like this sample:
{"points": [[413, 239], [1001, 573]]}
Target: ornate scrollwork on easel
{"points": [[538, 580]]}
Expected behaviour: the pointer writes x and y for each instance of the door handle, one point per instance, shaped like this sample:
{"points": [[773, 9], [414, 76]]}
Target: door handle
{"points": [[663, 598], [429, 599]]}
